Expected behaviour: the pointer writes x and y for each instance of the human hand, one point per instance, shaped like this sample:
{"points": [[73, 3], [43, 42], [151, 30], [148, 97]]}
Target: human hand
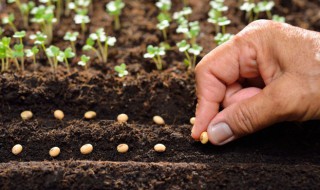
{"points": [[267, 73]]}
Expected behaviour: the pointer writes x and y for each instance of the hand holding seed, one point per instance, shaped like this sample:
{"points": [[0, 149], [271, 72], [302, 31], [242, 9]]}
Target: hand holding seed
{"points": [[268, 73]]}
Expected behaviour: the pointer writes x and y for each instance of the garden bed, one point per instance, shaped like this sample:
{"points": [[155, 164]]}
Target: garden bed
{"points": [[286, 155]]}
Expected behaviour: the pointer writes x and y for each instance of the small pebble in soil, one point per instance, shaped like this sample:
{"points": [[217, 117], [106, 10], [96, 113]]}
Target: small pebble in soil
{"points": [[159, 148], [122, 118], [86, 149], [26, 115], [17, 149], [158, 120], [204, 137], [122, 148], [54, 151], [58, 114], [192, 120], [90, 115]]}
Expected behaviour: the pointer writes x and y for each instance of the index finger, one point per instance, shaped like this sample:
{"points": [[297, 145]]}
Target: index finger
{"points": [[221, 67]]}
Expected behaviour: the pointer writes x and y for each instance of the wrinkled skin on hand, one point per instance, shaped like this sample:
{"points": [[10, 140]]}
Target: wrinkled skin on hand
{"points": [[267, 73]]}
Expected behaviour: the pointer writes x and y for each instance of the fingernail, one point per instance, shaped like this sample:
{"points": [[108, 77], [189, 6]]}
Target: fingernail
{"points": [[220, 133]]}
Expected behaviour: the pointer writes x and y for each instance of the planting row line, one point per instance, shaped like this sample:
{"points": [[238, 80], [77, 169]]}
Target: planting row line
{"points": [[121, 118], [47, 15], [86, 149]]}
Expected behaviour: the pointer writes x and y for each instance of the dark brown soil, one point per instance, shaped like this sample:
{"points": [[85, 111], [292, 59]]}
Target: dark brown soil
{"points": [[285, 156]]}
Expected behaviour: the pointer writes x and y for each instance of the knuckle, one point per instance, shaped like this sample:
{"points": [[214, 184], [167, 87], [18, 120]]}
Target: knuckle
{"points": [[258, 28]]}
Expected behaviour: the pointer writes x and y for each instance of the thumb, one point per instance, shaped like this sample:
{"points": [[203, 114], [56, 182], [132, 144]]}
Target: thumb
{"points": [[246, 117]]}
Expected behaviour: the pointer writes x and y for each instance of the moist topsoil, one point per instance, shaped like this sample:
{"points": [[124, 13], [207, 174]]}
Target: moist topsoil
{"points": [[285, 156]]}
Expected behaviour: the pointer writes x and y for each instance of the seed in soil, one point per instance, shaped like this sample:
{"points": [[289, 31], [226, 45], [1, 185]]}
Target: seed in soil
{"points": [[159, 148], [54, 151], [122, 148], [26, 115], [122, 118], [204, 137], [90, 115], [192, 120], [86, 149], [17, 149], [58, 114], [158, 120]]}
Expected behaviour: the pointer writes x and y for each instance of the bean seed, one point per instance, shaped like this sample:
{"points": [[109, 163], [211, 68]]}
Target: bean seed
{"points": [[122, 118], [122, 148], [17, 149], [204, 138], [158, 120], [86, 149], [90, 115], [58, 114], [159, 148], [192, 120], [26, 115], [54, 152]]}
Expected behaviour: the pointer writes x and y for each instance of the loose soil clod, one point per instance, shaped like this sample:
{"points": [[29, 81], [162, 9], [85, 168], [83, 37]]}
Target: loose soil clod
{"points": [[58, 114], [158, 120], [122, 148], [86, 149], [54, 152], [26, 115], [122, 118], [90, 115], [159, 148], [17, 149]]}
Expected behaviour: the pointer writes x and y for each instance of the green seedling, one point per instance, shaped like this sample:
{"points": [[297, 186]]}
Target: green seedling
{"points": [[222, 38], [19, 35], [103, 42], [53, 53], [121, 70], [164, 17], [72, 37], [18, 53], [44, 16], [216, 15], [248, 8], [190, 30], [163, 25], [278, 18], [84, 61], [155, 53], [32, 53], [25, 9], [89, 46], [82, 18], [164, 6], [188, 49], [78, 5], [9, 19], [182, 15], [264, 6], [65, 55], [40, 39], [114, 8], [6, 54]]}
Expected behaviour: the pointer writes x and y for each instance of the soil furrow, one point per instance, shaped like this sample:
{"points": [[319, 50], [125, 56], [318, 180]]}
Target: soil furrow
{"points": [[284, 143]]}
